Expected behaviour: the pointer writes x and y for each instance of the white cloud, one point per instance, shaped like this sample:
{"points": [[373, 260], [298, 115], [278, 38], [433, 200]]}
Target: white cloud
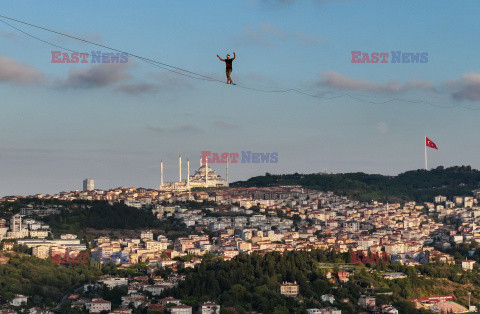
{"points": [[14, 72], [467, 88], [97, 75]]}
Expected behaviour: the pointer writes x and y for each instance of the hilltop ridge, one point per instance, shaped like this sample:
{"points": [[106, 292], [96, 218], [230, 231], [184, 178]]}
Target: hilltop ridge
{"points": [[416, 185]]}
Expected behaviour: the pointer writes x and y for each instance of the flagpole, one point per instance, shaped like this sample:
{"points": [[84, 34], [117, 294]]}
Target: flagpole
{"points": [[425, 145]]}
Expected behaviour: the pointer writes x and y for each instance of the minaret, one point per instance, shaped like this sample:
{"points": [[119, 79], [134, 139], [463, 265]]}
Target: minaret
{"points": [[226, 172], [179, 168], [206, 172], [188, 174], [201, 162], [161, 173]]}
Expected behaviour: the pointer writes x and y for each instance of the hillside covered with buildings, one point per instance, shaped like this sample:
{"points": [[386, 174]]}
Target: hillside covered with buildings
{"points": [[264, 249]]}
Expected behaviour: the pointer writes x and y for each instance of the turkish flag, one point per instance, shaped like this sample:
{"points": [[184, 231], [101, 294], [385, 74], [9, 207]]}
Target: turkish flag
{"points": [[429, 143]]}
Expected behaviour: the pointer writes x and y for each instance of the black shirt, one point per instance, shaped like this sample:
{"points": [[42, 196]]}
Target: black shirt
{"points": [[228, 63]]}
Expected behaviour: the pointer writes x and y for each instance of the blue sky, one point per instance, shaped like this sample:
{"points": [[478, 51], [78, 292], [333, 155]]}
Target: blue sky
{"points": [[61, 123]]}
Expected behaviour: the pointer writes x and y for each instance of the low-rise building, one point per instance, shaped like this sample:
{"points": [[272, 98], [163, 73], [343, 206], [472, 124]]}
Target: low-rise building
{"points": [[468, 264], [328, 298], [327, 310], [98, 305], [19, 300], [388, 309], [366, 302], [210, 308], [114, 282], [41, 251], [343, 276], [289, 289]]}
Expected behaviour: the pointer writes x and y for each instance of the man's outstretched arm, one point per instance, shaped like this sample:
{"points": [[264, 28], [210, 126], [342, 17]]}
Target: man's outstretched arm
{"points": [[233, 56], [220, 58]]}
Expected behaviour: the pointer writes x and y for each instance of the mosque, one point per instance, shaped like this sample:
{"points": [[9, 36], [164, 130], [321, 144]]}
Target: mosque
{"points": [[204, 177]]}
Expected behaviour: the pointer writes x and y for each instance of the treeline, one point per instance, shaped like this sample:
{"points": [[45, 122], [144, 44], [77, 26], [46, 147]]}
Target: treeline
{"points": [[101, 215], [252, 283], [44, 282], [417, 185]]}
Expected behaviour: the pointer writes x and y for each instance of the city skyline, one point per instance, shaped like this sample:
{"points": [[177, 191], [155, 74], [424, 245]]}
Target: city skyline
{"points": [[115, 122]]}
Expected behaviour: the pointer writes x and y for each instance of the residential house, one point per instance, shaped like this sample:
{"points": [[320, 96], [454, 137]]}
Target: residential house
{"points": [[209, 308], [19, 300], [289, 289], [98, 305]]}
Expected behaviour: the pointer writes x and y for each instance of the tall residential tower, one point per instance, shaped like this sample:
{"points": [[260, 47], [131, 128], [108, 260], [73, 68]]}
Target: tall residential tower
{"points": [[88, 185]]}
